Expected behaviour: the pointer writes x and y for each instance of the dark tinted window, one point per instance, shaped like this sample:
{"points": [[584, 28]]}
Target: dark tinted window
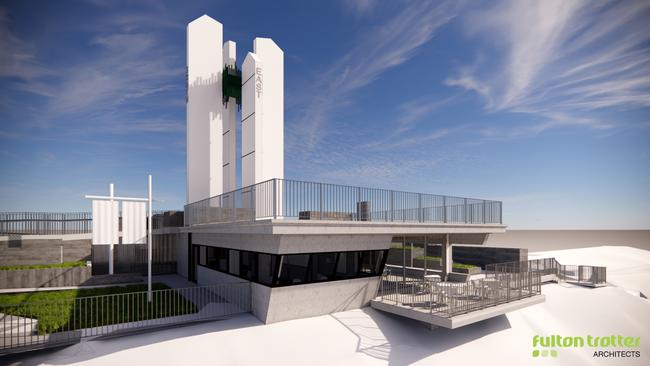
{"points": [[211, 260], [323, 266], [248, 265], [202, 255], [293, 269], [348, 265], [222, 259], [233, 262], [371, 262], [266, 267]]}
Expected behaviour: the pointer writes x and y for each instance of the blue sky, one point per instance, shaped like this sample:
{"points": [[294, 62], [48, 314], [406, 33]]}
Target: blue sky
{"points": [[544, 105]]}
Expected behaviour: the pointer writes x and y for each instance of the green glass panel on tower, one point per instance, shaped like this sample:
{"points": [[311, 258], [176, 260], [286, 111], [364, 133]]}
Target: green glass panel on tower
{"points": [[231, 84]]}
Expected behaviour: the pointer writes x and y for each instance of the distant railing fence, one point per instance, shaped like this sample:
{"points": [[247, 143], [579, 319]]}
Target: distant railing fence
{"points": [[581, 274], [53, 323], [291, 199], [61, 223], [45, 223]]}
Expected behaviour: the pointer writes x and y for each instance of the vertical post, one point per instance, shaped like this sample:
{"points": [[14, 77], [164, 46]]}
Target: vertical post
{"points": [[275, 214], [111, 190], [484, 211], [465, 209], [149, 237], [320, 185], [61, 247], [404, 259], [392, 213], [420, 213], [444, 209], [425, 255], [446, 257]]}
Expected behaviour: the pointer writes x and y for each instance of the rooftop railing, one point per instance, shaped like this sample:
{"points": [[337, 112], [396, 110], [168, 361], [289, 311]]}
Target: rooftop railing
{"points": [[299, 200], [449, 299], [580, 274]]}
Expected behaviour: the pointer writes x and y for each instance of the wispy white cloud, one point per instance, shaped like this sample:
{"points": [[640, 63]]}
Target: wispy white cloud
{"points": [[375, 51], [360, 7], [126, 66], [561, 59], [18, 58]]}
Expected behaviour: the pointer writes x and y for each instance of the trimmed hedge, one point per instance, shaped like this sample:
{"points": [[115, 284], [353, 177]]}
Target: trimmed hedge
{"points": [[41, 266], [56, 310]]}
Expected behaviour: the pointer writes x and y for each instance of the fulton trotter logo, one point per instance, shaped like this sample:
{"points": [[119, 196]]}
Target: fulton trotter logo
{"points": [[605, 346]]}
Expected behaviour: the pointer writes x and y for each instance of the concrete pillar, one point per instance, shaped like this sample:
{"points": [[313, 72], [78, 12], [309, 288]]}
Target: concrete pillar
{"points": [[425, 255], [404, 259], [446, 257]]}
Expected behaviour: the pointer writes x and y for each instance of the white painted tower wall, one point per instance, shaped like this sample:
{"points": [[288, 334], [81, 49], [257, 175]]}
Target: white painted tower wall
{"points": [[230, 127], [205, 110], [263, 119]]}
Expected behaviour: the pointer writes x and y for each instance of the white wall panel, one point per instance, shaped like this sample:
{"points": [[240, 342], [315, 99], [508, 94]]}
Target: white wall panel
{"points": [[105, 222], [134, 222]]}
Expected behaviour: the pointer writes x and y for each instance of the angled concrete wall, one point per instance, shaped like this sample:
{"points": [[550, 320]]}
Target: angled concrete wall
{"points": [[302, 301]]}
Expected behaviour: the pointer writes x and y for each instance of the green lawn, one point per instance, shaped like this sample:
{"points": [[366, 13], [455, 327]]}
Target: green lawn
{"points": [[86, 308], [39, 266], [439, 260]]}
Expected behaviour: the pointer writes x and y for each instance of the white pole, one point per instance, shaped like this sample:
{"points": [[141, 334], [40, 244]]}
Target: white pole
{"points": [[111, 192], [149, 242]]}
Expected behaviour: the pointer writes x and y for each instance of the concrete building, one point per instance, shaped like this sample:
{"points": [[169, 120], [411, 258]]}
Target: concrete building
{"points": [[307, 248]]}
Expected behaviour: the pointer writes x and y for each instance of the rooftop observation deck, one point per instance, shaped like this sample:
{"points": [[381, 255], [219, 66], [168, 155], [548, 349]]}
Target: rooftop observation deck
{"points": [[284, 199]]}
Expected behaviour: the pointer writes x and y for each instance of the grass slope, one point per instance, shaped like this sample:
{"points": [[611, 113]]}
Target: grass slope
{"points": [[65, 310]]}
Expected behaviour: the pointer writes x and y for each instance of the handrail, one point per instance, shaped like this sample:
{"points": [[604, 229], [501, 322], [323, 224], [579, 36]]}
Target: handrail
{"points": [[581, 274], [303, 200]]}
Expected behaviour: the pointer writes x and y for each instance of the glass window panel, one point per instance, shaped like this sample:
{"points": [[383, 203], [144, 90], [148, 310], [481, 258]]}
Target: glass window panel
{"points": [[323, 266], [233, 263], [266, 268], [211, 260], [348, 265], [202, 255], [294, 269], [222, 259], [248, 265], [371, 262]]}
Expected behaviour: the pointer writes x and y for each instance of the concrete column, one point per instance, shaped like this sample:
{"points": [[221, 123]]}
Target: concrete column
{"points": [[404, 259], [425, 255], [446, 257]]}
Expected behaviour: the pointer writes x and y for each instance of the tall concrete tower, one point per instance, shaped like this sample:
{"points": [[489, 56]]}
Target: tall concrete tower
{"points": [[263, 113], [215, 89], [205, 110]]}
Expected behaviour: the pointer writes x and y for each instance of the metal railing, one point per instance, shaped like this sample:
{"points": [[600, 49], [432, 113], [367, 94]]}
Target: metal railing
{"points": [[34, 325], [580, 274], [292, 199], [61, 223], [45, 223], [448, 299]]}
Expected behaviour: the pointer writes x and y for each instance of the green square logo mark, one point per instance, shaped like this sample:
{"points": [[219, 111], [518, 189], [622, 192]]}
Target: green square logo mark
{"points": [[544, 353], [553, 353], [535, 353]]}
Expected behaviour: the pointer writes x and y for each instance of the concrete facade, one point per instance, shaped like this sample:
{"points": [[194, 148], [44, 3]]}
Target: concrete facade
{"points": [[44, 277], [281, 236], [272, 305], [44, 249]]}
